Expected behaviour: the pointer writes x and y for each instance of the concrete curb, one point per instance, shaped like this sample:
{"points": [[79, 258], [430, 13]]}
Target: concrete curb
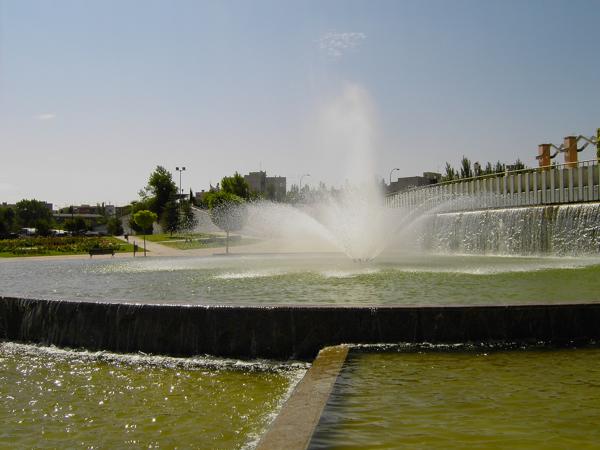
{"points": [[295, 424]]}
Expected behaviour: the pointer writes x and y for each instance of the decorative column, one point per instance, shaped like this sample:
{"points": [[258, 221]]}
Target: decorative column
{"points": [[570, 151], [544, 156]]}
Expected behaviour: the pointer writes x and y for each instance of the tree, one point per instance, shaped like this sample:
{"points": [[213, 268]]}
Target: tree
{"points": [[227, 211], [188, 218], [518, 165], [8, 221], [134, 207], [76, 225], [236, 185], [34, 214], [450, 173], [160, 189], [293, 195], [144, 219], [31, 212], [170, 217], [43, 227], [465, 168], [114, 226]]}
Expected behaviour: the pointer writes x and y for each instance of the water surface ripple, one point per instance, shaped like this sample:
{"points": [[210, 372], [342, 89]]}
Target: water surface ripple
{"points": [[310, 279]]}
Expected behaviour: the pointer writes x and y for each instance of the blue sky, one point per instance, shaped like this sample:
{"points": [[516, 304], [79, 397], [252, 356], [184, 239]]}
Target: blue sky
{"points": [[95, 94]]}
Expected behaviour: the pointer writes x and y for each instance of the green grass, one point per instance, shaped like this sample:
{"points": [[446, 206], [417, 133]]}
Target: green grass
{"points": [[195, 244], [58, 246], [175, 237]]}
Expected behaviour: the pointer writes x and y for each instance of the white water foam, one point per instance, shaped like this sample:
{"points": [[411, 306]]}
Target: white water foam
{"points": [[143, 359], [351, 273], [249, 274]]}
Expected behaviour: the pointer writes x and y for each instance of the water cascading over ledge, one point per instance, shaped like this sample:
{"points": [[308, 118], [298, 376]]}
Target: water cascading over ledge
{"points": [[554, 230], [282, 332]]}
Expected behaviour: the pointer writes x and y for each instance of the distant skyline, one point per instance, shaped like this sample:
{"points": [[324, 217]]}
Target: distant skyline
{"points": [[94, 95]]}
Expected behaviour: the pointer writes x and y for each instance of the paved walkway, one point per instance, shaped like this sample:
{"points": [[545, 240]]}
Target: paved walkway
{"points": [[154, 248]]}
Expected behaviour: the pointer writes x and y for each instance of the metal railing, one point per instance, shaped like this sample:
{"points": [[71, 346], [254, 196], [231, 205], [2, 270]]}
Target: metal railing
{"points": [[556, 184]]}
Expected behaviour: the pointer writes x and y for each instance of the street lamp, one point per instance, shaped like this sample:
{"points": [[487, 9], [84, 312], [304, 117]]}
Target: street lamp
{"points": [[180, 169], [392, 171], [302, 176]]}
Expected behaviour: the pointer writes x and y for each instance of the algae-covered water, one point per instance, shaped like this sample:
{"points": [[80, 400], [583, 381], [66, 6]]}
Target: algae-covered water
{"points": [[52, 398], [310, 279], [501, 399]]}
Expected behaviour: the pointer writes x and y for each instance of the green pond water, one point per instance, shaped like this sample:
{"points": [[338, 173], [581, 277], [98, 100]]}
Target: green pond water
{"points": [[528, 399], [52, 398], [310, 279]]}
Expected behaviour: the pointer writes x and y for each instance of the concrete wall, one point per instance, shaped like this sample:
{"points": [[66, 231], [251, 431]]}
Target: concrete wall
{"points": [[283, 331]]}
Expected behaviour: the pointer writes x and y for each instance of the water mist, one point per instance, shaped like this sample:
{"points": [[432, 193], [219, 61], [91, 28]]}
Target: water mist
{"points": [[354, 219]]}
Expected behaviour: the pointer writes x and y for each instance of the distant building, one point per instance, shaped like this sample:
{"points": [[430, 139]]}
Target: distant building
{"points": [[201, 196], [272, 188], [109, 210], [405, 183]]}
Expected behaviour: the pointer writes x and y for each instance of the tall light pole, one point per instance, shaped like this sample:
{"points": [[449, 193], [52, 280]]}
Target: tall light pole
{"points": [[302, 176], [180, 169], [392, 171]]}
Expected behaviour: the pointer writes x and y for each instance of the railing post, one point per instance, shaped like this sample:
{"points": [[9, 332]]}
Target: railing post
{"points": [[597, 190], [571, 187], [553, 173], [527, 191], [544, 193], [580, 183], [497, 191], [590, 172], [598, 146], [561, 186]]}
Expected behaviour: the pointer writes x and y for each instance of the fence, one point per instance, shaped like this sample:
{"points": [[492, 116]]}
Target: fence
{"points": [[541, 186]]}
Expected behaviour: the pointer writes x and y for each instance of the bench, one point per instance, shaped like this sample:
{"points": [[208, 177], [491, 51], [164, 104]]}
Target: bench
{"points": [[101, 251]]}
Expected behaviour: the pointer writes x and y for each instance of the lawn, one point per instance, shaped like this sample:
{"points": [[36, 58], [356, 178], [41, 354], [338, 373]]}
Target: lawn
{"points": [[53, 246], [212, 242], [176, 236]]}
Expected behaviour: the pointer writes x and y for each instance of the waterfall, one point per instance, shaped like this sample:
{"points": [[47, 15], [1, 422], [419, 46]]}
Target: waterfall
{"points": [[557, 230]]}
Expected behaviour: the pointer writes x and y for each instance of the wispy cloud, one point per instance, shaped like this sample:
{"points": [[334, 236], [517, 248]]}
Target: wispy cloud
{"points": [[336, 44], [45, 116]]}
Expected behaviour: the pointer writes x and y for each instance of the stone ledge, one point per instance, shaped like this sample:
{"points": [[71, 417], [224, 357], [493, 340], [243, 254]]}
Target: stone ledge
{"points": [[282, 332]]}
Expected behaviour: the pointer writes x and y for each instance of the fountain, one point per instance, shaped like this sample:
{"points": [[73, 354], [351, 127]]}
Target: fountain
{"points": [[425, 275], [301, 289]]}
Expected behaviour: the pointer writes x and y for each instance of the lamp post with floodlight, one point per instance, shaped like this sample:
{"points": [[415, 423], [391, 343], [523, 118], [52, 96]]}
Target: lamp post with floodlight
{"points": [[180, 169], [302, 176], [392, 171]]}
